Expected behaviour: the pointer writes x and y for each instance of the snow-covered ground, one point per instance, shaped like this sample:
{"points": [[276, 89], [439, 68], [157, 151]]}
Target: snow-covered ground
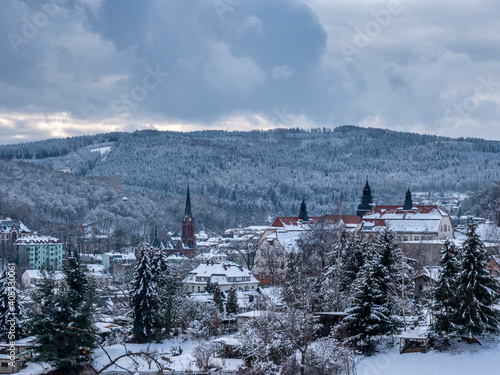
{"points": [[460, 359], [184, 361]]}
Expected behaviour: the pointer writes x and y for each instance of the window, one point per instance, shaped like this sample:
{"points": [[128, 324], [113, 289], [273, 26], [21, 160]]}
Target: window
{"points": [[198, 289], [405, 238], [416, 238]]}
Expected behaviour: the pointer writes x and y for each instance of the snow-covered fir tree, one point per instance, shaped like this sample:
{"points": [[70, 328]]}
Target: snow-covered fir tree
{"points": [[477, 291], [368, 315], [218, 298], [338, 279], [445, 290], [392, 272], [169, 290], [144, 298], [12, 311], [232, 302], [63, 321], [291, 280]]}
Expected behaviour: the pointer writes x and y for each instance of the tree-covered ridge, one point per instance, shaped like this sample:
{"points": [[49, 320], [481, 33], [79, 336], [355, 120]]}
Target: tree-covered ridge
{"points": [[241, 178]]}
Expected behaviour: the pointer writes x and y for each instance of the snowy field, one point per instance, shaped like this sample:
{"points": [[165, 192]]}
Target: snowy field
{"points": [[460, 359]]}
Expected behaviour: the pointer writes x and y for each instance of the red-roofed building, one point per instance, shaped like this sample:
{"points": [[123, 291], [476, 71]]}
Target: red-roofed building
{"points": [[280, 239], [411, 223]]}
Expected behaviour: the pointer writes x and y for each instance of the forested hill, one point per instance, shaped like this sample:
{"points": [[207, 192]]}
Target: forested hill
{"points": [[240, 178]]}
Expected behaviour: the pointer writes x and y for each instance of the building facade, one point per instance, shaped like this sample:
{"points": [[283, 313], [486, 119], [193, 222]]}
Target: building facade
{"points": [[226, 274], [12, 230], [411, 223], [40, 252]]}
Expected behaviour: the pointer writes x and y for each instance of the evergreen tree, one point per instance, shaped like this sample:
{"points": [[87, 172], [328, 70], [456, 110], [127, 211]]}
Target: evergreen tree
{"points": [[291, 288], [368, 316], [392, 273], [209, 288], [353, 254], [144, 298], [11, 310], [63, 319], [445, 291], [232, 302], [477, 290], [218, 299], [169, 291], [338, 281]]}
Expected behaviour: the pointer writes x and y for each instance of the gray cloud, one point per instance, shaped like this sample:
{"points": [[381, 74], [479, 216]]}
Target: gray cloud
{"points": [[415, 67]]}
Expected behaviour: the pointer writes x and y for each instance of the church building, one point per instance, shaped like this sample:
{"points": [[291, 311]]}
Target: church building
{"points": [[411, 223], [186, 246]]}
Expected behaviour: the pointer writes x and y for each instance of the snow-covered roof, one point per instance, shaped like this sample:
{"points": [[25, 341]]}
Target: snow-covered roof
{"points": [[97, 270], [213, 254], [125, 256], [488, 232], [7, 223], [288, 240], [33, 239], [296, 223], [402, 226], [220, 272], [430, 272], [176, 256], [38, 275], [397, 213], [287, 230], [27, 341]]}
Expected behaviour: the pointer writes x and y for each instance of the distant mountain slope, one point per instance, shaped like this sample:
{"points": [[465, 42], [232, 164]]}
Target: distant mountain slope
{"points": [[243, 177]]}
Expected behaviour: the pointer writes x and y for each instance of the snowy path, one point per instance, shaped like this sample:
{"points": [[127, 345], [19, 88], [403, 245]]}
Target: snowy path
{"points": [[462, 359]]}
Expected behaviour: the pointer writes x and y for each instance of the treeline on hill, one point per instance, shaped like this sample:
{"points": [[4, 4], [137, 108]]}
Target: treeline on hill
{"points": [[56, 203], [242, 178], [485, 202]]}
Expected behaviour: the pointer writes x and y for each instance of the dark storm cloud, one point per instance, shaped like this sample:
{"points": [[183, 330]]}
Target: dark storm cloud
{"points": [[407, 65]]}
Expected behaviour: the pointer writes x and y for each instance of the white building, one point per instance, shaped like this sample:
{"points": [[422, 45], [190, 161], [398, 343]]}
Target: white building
{"points": [[226, 274], [418, 223], [31, 277]]}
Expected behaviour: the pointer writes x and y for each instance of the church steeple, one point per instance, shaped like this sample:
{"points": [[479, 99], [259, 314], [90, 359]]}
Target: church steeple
{"points": [[303, 211], [188, 237], [408, 201], [187, 210], [366, 200], [156, 242]]}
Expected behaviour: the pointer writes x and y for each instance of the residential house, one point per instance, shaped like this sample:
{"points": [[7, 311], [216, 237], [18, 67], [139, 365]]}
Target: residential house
{"points": [[226, 274], [30, 277]]}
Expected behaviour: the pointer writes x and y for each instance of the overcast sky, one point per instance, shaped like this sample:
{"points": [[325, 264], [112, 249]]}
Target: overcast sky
{"points": [[88, 66]]}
